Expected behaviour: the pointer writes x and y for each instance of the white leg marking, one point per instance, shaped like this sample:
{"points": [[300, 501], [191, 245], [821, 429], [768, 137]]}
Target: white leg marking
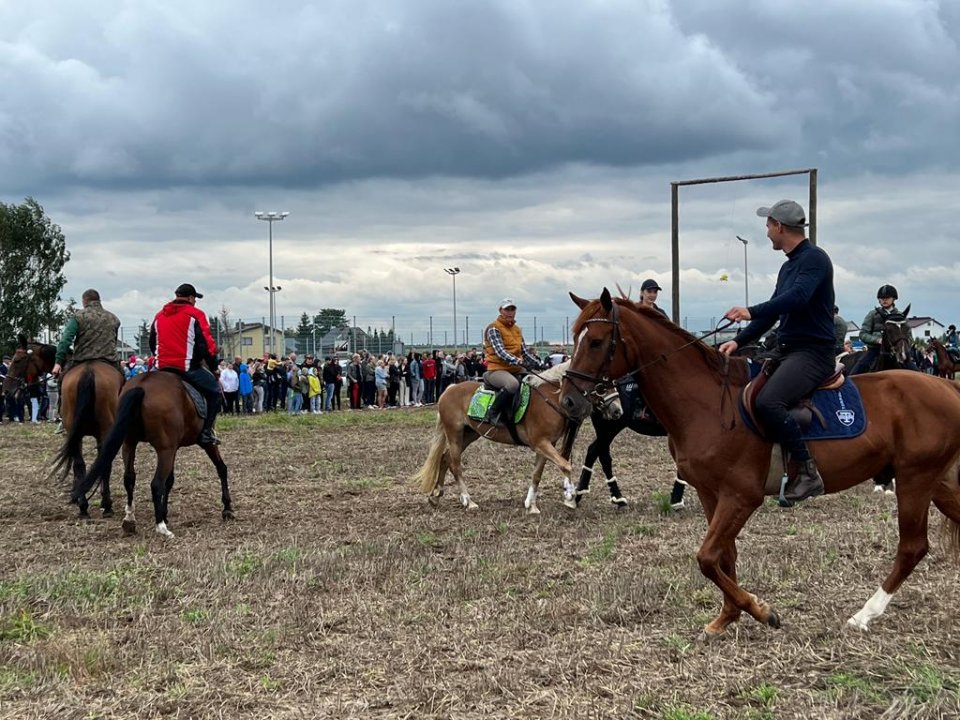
{"points": [[569, 492], [612, 480], [587, 470], [467, 502], [873, 609], [163, 530], [531, 498], [129, 516]]}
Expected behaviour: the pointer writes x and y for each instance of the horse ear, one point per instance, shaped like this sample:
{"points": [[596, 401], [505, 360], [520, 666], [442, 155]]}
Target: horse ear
{"points": [[579, 301], [906, 312], [605, 300]]}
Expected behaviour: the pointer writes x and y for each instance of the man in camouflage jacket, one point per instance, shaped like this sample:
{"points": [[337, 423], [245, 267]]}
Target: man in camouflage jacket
{"points": [[92, 331]]}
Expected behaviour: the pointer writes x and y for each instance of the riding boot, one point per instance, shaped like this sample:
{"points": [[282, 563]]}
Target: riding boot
{"points": [[806, 484], [207, 436], [501, 412]]}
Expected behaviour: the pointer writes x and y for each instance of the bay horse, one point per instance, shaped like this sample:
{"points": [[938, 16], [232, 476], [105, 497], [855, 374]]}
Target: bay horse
{"points": [[89, 392], [543, 425], [154, 408], [912, 428], [30, 363], [946, 367]]}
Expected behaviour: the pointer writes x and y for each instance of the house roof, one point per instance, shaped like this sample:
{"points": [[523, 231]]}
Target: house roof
{"points": [[918, 321]]}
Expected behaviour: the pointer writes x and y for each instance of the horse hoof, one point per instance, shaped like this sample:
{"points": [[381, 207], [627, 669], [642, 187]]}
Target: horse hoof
{"points": [[433, 500], [473, 506], [570, 503], [773, 620], [708, 635], [228, 514], [533, 510], [620, 502], [107, 513], [129, 527]]}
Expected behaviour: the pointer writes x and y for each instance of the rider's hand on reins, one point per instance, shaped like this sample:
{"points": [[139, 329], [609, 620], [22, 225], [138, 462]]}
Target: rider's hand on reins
{"points": [[737, 313]]}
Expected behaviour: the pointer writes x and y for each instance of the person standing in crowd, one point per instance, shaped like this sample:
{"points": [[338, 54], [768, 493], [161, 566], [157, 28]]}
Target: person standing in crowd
{"points": [[257, 378], [416, 379], [803, 300], [294, 398], [354, 381], [181, 340], [369, 368], [245, 386], [230, 384], [429, 366], [331, 374]]}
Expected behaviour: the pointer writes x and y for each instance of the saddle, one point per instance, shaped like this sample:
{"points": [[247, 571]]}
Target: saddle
{"points": [[196, 397], [803, 412]]}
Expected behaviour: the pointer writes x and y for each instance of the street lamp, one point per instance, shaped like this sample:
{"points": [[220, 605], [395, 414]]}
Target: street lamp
{"points": [[271, 217], [453, 272], [746, 288]]}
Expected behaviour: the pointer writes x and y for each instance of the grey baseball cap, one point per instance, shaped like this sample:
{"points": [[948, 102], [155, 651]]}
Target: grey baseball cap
{"points": [[785, 212]]}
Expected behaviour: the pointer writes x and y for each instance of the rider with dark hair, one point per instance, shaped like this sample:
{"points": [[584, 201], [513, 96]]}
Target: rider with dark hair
{"points": [[180, 338], [507, 355], [803, 300], [871, 331]]}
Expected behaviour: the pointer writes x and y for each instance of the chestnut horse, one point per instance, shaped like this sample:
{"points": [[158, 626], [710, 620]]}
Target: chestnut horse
{"points": [[153, 408], [31, 361], [543, 425], [913, 421], [946, 367]]}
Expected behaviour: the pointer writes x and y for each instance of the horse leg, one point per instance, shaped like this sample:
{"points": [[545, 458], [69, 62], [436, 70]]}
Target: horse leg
{"points": [[530, 503], [717, 560], [457, 441], [158, 490], [79, 473], [583, 485], [606, 462], [676, 495], [912, 513], [129, 524], [213, 452], [106, 498], [545, 449]]}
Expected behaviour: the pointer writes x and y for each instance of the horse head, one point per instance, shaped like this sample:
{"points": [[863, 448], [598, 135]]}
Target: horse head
{"points": [[896, 337], [596, 337]]}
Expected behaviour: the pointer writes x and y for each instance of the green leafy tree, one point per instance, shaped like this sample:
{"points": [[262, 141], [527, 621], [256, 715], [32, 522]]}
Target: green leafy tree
{"points": [[329, 318], [33, 252]]}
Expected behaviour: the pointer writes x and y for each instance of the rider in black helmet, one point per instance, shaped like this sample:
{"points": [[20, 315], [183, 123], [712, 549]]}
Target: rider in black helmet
{"points": [[871, 331]]}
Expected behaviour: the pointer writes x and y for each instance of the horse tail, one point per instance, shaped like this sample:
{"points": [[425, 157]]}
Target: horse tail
{"points": [[951, 536], [83, 415], [429, 474], [128, 416]]}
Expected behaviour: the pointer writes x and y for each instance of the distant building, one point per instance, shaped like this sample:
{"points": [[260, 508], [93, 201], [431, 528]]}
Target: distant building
{"points": [[249, 340], [926, 327]]}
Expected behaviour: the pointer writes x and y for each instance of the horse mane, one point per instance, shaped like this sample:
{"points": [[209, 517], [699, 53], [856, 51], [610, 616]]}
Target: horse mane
{"points": [[552, 375], [714, 359]]}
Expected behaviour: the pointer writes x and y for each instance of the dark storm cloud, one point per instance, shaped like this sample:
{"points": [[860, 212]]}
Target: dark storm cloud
{"points": [[132, 95]]}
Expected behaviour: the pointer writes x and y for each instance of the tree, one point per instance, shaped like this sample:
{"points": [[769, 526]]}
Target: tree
{"points": [[143, 338], [329, 318], [305, 327], [33, 252]]}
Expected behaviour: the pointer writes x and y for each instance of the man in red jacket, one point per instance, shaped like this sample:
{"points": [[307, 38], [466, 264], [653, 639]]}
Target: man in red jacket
{"points": [[181, 341]]}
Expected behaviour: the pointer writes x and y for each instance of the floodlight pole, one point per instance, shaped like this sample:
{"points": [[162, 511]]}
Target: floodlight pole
{"points": [[270, 218], [746, 287]]}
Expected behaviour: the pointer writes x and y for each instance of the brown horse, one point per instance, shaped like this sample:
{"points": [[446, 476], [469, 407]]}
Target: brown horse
{"points": [[693, 389], [88, 406], [946, 367], [30, 363], [543, 425], [153, 408]]}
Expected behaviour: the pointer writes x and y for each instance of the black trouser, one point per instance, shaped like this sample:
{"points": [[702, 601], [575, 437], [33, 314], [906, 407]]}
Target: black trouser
{"points": [[204, 381], [800, 372]]}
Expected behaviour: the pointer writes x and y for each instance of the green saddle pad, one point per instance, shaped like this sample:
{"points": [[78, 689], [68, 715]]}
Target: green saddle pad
{"points": [[482, 400]]}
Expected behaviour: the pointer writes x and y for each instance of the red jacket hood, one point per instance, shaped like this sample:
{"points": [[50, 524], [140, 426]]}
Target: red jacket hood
{"points": [[175, 306]]}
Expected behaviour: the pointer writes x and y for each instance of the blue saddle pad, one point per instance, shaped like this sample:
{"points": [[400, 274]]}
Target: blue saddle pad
{"points": [[842, 409]]}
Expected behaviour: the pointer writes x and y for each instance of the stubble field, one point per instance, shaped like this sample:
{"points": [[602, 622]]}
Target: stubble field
{"points": [[338, 592]]}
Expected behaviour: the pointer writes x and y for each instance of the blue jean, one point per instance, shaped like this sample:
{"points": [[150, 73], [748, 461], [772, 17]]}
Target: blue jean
{"points": [[294, 402], [328, 401]]}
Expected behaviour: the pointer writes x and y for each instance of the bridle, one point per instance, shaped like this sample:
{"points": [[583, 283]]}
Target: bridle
{"points": [[602, 380], [20, 383]]}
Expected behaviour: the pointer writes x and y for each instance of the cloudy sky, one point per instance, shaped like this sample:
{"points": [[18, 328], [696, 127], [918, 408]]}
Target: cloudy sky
{"points": [[531, 143]]}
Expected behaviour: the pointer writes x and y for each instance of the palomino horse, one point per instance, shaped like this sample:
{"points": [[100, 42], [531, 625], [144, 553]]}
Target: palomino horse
{"points": [[946, 367], [153, 408], [913, 420], [88, 406], [542, 427]]}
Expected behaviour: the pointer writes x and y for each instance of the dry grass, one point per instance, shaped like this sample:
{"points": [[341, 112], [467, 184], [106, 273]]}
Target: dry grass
{"points": [[339, 593]]}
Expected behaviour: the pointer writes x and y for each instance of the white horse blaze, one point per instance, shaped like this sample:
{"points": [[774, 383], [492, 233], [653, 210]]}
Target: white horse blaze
{"points": [[873, 609]]}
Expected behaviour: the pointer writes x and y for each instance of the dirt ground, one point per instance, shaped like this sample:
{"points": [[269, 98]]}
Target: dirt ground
{"points": [[338, 592]]}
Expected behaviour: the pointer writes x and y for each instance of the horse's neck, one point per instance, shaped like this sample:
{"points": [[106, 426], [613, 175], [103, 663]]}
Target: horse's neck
{"points": [[676, 381]]}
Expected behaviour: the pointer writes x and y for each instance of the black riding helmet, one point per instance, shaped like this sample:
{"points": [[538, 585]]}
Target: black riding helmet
{"points": [[887, 291]]}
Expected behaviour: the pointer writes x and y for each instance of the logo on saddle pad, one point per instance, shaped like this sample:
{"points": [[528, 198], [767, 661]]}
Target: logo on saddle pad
{"points": [[846, 416]]}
